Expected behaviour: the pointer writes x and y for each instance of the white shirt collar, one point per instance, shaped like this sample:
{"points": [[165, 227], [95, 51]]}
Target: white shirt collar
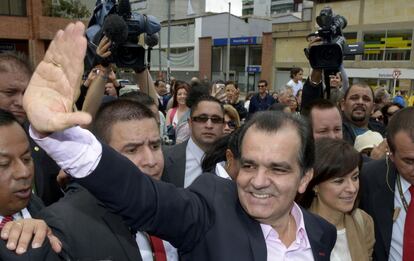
{"points": [[405, 185], [195, 150], [24, 213], [221, 171]]}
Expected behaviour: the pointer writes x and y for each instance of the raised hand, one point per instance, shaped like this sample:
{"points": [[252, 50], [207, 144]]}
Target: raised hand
{"points": [[49, 98]]}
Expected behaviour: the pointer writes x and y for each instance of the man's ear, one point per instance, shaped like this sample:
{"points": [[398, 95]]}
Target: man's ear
{"points": [[304, 181], [342, 104]]}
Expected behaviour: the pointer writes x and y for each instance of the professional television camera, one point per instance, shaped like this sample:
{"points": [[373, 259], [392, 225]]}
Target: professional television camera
{"points": [[329, 55], [123, 28]]}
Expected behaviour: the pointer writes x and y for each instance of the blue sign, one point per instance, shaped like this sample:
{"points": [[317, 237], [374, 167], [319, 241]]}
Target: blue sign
{"points": [[254, 68], [236, 41]]}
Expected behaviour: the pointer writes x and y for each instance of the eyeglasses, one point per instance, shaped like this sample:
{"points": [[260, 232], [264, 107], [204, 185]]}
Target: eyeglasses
{"points": [[231, 124], [205, 118]]}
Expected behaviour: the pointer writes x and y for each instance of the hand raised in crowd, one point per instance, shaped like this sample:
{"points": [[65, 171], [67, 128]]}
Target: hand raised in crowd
{"points": [[19, 234], [50, 95], [218, 92], [103, 47], [379, 152]]}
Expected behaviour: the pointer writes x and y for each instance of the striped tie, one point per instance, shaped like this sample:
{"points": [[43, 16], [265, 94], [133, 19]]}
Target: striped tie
{"points": [[5, 220]]}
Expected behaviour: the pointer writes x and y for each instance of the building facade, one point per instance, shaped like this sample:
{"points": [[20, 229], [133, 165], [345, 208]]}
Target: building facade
{"points": [[198, 48], [25, 28]]}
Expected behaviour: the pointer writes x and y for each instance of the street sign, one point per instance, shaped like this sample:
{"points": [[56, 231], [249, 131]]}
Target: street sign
{"points": [[396, 73]]}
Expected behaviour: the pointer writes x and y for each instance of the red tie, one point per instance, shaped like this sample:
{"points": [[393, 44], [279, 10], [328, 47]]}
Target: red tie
{"points": [[408, 245], [5, 220], [158, 249]]}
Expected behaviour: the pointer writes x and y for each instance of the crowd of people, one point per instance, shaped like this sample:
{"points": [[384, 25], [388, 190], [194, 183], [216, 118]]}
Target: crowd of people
{"points": [[189, 171]]}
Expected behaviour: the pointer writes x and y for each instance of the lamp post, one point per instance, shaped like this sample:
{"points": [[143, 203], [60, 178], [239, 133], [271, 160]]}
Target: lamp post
{"points": [[228, 46]]}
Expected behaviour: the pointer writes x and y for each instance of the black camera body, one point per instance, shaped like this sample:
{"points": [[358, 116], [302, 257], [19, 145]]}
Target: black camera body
{"points": [[329, 54], [123, 28]]}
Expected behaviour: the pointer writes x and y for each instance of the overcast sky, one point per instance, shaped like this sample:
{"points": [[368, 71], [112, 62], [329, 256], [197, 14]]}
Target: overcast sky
{"points": [[223, 6]]}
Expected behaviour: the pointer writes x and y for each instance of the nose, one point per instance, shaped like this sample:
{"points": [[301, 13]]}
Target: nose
{"points": [[209, 124], [22, 170], [352, 186], [332, 134], [148, 159], [18, 99], [260, 180]]}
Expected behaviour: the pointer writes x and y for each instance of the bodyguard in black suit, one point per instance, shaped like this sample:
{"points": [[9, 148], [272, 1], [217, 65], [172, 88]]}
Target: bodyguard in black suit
{"points": [[16, 177], [381, 184], [87, 230]]}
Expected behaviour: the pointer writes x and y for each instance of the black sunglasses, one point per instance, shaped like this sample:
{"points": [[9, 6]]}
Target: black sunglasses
{"points": [[205, 118], [231, 124]]}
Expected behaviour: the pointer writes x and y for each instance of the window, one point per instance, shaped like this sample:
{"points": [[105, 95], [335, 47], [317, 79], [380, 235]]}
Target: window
{"points": [[351, 38], [216, 59], [179, 57], [13, 7], [388, 46], [255, 55]]}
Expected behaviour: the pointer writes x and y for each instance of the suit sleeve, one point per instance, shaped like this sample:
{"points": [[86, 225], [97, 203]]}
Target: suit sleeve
{"points": [[58, 226], [44, 252], [153, 206], [311, 93]]}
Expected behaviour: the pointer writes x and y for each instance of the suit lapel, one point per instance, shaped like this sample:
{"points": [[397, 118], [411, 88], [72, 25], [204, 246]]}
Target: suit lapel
{"points": [[383, 206], [34, 206], [255, 235], [124, 236], [315, 233], [177, 160]]}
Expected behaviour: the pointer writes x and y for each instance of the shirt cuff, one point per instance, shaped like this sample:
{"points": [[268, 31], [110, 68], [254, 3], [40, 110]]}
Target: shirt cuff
{"points": [[75, 150]]}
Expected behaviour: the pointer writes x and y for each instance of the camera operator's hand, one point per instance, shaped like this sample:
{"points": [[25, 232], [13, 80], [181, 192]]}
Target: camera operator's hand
{"points": [[103, 47], [379, 152], [316, 74]]}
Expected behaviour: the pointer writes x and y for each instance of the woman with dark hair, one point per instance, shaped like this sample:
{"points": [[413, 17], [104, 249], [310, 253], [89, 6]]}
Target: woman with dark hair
{"points": [[332, 194], [223, 158], [179, 112], [388, 110]]}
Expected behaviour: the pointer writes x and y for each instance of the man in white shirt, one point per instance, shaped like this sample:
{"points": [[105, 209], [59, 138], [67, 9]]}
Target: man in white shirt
{"points": [[388, 191], [183, 161]]}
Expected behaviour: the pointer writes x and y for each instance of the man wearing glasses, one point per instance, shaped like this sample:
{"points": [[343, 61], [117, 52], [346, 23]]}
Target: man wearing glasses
{"points": [[261, 101], [183, 161]]}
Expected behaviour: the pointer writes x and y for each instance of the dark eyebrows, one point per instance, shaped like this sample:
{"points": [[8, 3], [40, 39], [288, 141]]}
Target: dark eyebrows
{"points": [[155, 142], [282, 164]]}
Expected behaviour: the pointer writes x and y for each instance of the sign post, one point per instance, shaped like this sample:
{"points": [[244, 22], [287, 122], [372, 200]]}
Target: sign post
{"points": [[395, 74]]}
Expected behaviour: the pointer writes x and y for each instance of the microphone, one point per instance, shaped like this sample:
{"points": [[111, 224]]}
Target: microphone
{"points": [[124, 8], [151, 39], [115, 29]]}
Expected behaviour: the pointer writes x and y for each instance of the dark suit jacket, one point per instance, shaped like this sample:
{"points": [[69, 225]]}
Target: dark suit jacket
{"points": [[46, 171], [174, 164], [377, 199], [205, 221], [88, 231], [45, 252]]}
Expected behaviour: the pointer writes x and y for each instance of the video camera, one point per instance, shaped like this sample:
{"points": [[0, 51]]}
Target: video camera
{"points": [[123, 28], [329, 55]]}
